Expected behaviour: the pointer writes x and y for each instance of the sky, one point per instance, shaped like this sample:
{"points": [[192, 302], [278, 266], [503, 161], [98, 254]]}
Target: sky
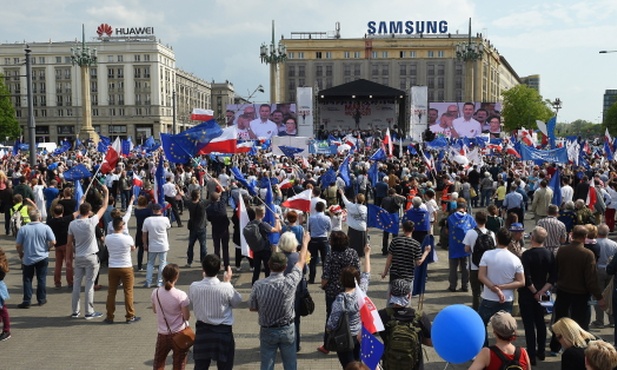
{"points": [[220, 39]]}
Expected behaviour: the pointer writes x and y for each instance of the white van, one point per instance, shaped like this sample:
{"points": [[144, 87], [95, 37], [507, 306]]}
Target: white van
{"points": [[49, 147]]}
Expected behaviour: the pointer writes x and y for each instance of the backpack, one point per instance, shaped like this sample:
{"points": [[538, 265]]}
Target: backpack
{"points": [[507, 364], [484, 242], [253, 236], [17, 221], [403, 342]]}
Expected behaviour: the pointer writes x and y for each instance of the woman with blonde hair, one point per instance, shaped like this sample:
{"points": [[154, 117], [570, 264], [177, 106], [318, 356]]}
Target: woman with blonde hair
{"points": [[574, 340]]}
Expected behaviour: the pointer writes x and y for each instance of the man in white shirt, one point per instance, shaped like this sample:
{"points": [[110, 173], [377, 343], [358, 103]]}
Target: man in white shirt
{"points": [[501, 272], [470, 242], [316, 199], [120, 246], [262, 127], [170, 190], [567, 192], [156, 243], [466, 126], [213, 301]]}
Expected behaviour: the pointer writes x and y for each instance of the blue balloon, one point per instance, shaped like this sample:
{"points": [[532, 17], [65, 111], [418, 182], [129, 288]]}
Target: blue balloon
{"points": [[458, 334]]}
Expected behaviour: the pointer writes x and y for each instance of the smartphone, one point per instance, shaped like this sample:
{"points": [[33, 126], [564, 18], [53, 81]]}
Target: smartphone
{"points": [[368, 238]]}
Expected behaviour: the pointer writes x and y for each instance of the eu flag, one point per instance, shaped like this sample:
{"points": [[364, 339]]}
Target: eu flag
{"points": [[328, 178], [550, 129], [379, 155], [66, 145], [420, 272], [159, 177], [77, 173], [269, 216], [178, 148], [344, 171], [381, 219], [371, 349], [290, 151], [16, 147], [79, 193], [373, 173], [555, 184], [203, 133], [242, 180]]}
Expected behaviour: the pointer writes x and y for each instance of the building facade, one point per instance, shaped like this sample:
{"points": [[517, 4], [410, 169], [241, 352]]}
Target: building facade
{"points": [[132, 87], [323, 60], [532, 81], [610, 98]]}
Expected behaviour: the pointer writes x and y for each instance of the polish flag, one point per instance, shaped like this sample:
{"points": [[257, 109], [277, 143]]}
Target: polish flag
{"points": [[244, 147], [286, 184], [112, 157], [244, 220], [202, 114], [510, 150], [607, 137], [301, 202], [387, 142], [137, 180], [592, 195], [526, 137], [368, 312], [225, 143]]}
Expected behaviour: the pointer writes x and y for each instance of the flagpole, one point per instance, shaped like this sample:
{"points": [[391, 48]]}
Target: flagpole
{"points": [[93, 178]]}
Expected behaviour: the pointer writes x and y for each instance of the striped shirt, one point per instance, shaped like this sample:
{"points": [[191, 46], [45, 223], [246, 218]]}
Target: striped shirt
{"points": [[213, 300], [405, 252], [555, 231], [274, 298]]}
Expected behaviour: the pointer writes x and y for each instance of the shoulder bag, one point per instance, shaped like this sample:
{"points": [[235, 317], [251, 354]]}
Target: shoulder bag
{"points": [[306, 305], [340, 339], [182, 340]]}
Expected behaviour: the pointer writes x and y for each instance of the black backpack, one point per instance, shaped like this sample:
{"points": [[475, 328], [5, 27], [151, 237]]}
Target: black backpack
{"points": [[403, 342], [507, 364], [253, 236], [484, 243]]}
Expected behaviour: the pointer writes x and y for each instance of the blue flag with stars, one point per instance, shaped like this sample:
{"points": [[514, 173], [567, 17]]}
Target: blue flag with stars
{"points": [[204, 132], [328, 178], [269, 217], [420, 272], [343, 171], [77, 173], [242, 180], [555, 184], [371, 349], [290, 151], [178, 148], [373, 173], [159, 178], [379, 155], [382, 219]]}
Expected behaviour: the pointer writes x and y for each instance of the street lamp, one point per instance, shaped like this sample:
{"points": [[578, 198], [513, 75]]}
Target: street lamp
{"points": [[84, 57], [30, 98], [273, 56], [556, 105], [469, 52], [607, 51]]}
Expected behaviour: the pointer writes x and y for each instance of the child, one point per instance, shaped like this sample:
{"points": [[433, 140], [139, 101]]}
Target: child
{"points": [[4, 295], [336, 216]]}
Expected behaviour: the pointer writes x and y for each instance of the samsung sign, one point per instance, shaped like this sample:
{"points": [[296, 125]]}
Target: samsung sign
{"points": [[406, 27]]}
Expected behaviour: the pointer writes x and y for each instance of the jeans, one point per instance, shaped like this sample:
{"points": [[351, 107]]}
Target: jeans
{"points": [[476, 289], [385, 242], [174, 209], [533, 321], [487, 194], [40, 268], [195, 235], [488, 308], [283, 338], [321, 246], [456, 264], [125, 197], [115, 276], [162, 256], [221, 240], [574, 306], [88, 267], [64, 255], [261, 258]]}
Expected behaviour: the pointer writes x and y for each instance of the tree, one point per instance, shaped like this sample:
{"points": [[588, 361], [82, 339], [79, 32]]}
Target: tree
{"points": [[522, 106], [610, 119], [8, 122]]}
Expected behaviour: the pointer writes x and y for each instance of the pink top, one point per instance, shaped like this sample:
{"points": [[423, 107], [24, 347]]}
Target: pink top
{"points": [[172, 301]]}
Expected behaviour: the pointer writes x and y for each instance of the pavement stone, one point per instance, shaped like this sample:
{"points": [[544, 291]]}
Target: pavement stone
{"points": [[58, 341]]}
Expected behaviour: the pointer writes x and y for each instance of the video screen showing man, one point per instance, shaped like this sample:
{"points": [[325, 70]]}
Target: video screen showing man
{"points": [[242, 127], [453, 111], [277, 118], [262, 127], [481, 116], [466, 126], [494, 127], [230, 115], [432, 116], [250, 110]]}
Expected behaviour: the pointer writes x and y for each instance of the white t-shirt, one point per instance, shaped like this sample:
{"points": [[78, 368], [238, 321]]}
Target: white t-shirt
{"points": [[431, 207], [264, 130], [314, 201], [224, 180], [156, 227], [83, 232], [119, 247], [470, 239], [169, 189], [501, 268], [471, 128]]}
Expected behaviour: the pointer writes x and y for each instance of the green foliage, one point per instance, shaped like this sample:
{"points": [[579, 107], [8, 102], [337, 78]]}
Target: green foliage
{"points": [[582, 128], [522, 106], [9, 125], [610, 119]]}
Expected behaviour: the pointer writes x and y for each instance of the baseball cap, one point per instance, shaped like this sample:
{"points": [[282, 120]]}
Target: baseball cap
{"points": [[504, 324], [156, 207], [517, 226]]}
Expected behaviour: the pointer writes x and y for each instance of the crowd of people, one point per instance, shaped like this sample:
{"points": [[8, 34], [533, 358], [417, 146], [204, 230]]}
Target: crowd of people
{"points": [[478, 212]]}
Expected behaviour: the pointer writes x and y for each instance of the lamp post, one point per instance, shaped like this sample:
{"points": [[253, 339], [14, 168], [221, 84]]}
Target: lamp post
{"points": [[469, 53], [607, 51], [273, 56], [29, 98], [556, 106], [84, 57]]}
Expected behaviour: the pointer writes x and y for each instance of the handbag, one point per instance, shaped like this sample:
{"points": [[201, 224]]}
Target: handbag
{"points": [[306, 305], [340, 339], [182, 340]]}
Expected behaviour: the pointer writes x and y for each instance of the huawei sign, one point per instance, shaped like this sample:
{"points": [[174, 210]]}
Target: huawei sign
{"points": [[104, 30]]}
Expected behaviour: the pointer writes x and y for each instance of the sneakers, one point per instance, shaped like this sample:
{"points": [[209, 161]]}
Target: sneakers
{"points": [[188, 265], [23, 305], [75, 315], [93, 315], [597, 324], [108, 321], [133, 319], [147, 285], [5, 335], [323, 350]]}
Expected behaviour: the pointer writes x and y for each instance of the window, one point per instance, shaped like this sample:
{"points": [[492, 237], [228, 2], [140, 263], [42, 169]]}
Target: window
{"points": [[300, 55], [440, 54], [374, 54], [430, 54], [384, 54], [441, 69], [347, 55], [301, 71], [33, 60], [290, 55], [356, 55], [318, 54], [403, 70], [440, 83], [301, 82], [430, 69], [67, 60], [41, 60], [58, 59], [137, 72], [43, 100], [401, 54], [110, 73], [329, 71], [385, 81], [403, 84], [146, 57], [137, 57], [291, 71], [67, 74], [110, 58], [292, 85], [430, 82], [146, 72], [412, 54], [328, 55], [120, 72], [60, 112], [318, 71], [357, 70], [16, 61], [374, 70], [385, 70], [93, 86]]}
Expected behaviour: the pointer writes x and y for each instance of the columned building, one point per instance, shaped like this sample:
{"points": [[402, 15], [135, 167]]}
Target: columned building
{"points": [[132, 88]]}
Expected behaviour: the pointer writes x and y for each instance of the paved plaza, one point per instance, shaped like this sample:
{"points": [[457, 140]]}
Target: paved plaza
{"points": [[47, 338]]}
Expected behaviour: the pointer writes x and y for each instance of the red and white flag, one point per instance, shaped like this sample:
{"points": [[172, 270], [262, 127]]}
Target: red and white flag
{"points": [[387, 142], [301, 202], [510, 150], [137, 181], [244, 147], [244, 220], [368, 312], [202, 114], [592, 196], [526, 137], [225, 143], [286, 184], [112, 157], [607, 137]]}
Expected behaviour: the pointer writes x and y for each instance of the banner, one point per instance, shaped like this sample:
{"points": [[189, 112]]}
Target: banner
{"points": [[350, 115], [418, 112], [559, 155], [304, 97]]}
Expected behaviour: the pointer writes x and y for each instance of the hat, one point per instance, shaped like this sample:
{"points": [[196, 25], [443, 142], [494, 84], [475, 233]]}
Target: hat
{"points": [[516, 227], [504, 325], [156, 207], [335, 209], [399, 292]]}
